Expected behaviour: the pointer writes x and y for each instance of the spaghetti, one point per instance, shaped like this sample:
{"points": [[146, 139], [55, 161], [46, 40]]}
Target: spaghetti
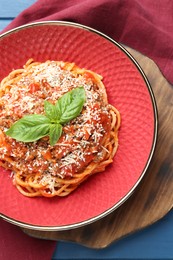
{"points": [[88, 142]]}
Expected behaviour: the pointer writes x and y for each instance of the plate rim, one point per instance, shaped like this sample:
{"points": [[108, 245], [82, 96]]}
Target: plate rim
{"points": [[155, 130]]}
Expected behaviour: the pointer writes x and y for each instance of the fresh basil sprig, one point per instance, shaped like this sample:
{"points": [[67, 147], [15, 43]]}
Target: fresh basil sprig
{"points": [[31, 128]]}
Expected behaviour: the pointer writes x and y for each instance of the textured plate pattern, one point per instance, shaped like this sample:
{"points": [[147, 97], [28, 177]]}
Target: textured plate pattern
{"points": [[126, 89]]}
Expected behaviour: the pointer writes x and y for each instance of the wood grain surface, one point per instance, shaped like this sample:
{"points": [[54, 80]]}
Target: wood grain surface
{"points": [[153, 198]]}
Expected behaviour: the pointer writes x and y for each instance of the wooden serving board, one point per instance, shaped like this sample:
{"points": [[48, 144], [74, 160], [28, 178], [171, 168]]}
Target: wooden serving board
{"points": [[153, 198]]}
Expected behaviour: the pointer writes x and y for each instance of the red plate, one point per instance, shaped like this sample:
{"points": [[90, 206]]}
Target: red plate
{"points": [[127, 89]]}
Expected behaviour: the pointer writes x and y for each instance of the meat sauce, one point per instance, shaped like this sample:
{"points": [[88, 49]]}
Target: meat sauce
{"points": [[81, 141]]}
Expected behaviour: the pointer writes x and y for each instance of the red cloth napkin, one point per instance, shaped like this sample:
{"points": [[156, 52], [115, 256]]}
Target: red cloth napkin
{"points": [[16, 245], [146, 26]]}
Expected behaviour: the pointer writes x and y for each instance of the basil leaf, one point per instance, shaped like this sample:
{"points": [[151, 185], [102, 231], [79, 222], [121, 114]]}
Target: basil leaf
{"points": [[29, 128], [70, 104], [51, 111], [55, 133]]}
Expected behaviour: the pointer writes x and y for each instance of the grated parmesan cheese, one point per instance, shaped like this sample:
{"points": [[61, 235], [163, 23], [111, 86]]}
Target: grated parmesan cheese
{"points": [[76, 149]]}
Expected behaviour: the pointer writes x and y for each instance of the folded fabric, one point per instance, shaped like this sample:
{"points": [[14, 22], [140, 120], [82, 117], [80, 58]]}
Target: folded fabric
{"points": [[16, 245], [146, 26]]}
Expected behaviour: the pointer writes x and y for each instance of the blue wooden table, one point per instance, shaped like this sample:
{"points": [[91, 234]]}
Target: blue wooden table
{"points": [[154, 242]]}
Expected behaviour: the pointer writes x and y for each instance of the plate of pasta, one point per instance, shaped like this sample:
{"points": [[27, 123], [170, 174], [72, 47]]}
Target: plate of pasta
{"points": [[78, 125]]}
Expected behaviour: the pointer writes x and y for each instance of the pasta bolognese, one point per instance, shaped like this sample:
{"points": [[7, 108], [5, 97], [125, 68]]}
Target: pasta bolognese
{"points": [[82, 145]]}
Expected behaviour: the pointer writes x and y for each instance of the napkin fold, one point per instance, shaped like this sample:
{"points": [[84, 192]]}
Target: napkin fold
{"points": [[16, 245], [146, 26]]}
